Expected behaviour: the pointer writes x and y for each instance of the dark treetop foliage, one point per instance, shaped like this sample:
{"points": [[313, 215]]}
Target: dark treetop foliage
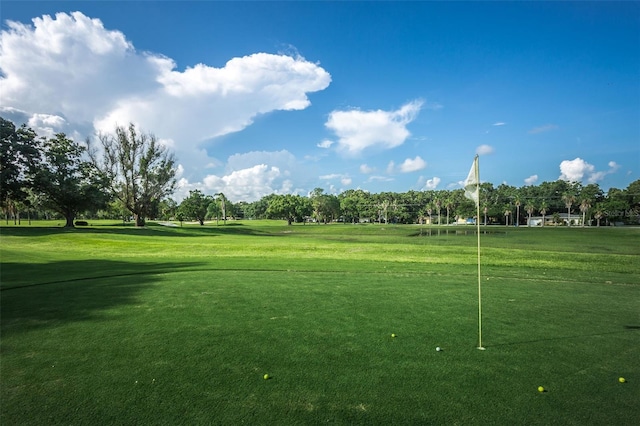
{"points": [[18, 156], [68, 183]]}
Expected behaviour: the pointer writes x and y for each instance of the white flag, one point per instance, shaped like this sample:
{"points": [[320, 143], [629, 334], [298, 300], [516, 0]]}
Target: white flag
{"points": [[472, 184]]}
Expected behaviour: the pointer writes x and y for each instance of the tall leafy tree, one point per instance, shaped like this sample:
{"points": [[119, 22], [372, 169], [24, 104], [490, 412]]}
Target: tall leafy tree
{"points": [[18, 155], [168, 208], [214, 210], [633, 195], [68, 182], [349, 206], [196, 205], [616, 204], [222, 199], [325, 206], [289, 207], [140, 170], [257, 209]]}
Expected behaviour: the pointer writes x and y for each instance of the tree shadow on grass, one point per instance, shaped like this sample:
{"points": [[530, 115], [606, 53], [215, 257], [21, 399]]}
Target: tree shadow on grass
{"points": [[626, 328], [79, 291], [151, 230]]}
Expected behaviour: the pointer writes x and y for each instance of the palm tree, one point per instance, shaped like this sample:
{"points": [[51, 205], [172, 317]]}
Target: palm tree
{"points": [[516, 221], [485, 210], [598, 214], [507, 212], [439, 208], [529, 207], [585, 205], [568, 199], [448, 203], [543, 211], [223, 206]]}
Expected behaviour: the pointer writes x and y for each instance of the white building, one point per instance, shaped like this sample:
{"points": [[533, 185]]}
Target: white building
{"points": [[576, 220]]}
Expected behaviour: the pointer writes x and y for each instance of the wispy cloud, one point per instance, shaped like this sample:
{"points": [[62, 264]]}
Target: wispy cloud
{"points": [[358, 130], [434, 106], [344, 179], [391, 167], [376, 178], [499, 123], [331, 176], [542, 129], [326, 143], [531, 180], [365, 169]]}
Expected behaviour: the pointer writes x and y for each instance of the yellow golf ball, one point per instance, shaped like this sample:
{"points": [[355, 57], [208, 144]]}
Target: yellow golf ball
{"points": [[266, 377], [393, 335], [621, 380], [540, 389]]}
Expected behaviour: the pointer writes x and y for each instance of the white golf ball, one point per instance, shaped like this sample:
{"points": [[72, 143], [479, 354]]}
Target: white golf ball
{"points": [[438, 349]]}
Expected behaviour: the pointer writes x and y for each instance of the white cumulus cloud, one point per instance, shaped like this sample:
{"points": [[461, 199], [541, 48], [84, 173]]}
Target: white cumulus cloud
{"points": [[432, 183], [71, 67], [412, 164], [531, 180], [250, 176], [577, 170], [361, 130], [247, 184], [484, 150]]}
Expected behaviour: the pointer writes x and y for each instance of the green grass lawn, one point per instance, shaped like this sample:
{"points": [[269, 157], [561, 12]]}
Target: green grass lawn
{"points": [[178, 325]]}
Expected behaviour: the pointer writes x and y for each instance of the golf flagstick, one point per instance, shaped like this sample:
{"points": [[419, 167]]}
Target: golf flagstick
{"points": [[472, 191]]}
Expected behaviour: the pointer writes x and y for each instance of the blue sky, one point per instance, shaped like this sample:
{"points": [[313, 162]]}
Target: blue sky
{"points": [[283, 97]]}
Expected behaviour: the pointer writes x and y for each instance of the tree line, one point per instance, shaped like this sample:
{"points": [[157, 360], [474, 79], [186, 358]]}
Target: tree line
{"points": [[128, 174], [60, 176]]}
